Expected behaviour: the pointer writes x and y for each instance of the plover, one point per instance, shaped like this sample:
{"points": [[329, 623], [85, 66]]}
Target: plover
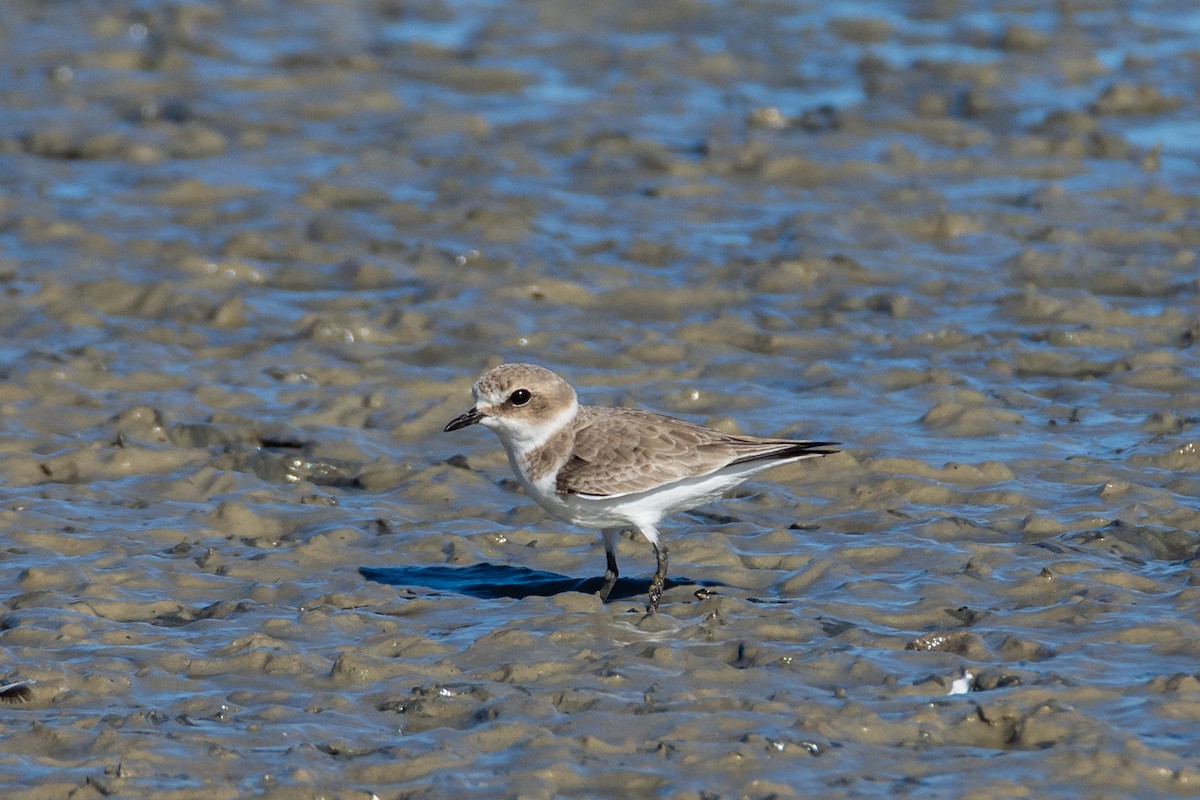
{"points": [[614, 468]]}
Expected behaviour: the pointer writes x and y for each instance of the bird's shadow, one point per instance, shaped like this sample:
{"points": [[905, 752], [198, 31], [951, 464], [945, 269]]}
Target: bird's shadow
{"points": [[491, 581]]}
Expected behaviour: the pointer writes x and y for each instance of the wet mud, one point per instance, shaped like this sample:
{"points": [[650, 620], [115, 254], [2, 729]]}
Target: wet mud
{"points": [[253, 255]]}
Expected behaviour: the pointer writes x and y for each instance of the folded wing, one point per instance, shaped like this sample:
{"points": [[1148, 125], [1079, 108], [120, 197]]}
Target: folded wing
{"points": [[621, 451]]}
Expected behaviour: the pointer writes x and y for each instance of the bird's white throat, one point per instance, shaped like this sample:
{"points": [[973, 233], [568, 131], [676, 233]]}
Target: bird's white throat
{"points": [[523, 436]]}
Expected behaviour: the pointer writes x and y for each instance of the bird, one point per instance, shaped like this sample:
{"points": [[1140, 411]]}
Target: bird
{"points": [[615, 468]]}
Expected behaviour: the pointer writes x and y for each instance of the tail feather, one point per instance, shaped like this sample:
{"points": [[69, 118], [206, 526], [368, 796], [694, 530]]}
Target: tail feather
{"points": [[790, 450]]}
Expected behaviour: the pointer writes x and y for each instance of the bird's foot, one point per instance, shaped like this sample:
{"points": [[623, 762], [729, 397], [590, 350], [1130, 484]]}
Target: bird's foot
{"points": [[656, 590], [660, 576], [610, 580]]}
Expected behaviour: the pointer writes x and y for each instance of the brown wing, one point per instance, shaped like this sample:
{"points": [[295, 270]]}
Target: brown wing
{"points": [[624, 450]]}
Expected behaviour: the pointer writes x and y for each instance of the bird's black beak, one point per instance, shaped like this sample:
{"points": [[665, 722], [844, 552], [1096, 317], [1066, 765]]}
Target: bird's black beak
{"points": [[463, 420]]}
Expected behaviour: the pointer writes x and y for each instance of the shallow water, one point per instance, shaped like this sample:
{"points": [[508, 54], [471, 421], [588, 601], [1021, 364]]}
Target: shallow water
{"points": [[254, 255]]}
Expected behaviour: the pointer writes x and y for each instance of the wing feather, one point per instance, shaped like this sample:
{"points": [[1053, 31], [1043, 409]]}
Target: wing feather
{"points": [[625, 450]]}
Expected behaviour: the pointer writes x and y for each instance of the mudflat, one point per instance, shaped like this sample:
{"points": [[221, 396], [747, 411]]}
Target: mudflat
{"points": [[252, 256]]}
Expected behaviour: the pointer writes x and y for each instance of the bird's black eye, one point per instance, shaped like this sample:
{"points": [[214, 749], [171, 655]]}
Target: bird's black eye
{"points": [[520, 397]]}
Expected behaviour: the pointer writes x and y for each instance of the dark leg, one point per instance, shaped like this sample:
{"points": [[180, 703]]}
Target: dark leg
{"points": [[610, 554], [610, 577], [660, 575]]}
